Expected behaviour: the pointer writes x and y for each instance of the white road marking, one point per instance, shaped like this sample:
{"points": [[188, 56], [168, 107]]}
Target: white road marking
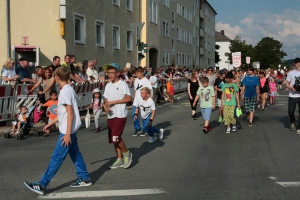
{"points": [[273, 178], [278, 104], [289, 184], [104, 193], [175, 106]]}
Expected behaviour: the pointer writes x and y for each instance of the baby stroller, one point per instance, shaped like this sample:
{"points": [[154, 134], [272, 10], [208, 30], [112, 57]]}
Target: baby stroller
{"points": [[25, 126]]}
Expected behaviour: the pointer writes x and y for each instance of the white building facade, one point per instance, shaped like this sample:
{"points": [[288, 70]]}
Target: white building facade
{"points": [[223, 42]]}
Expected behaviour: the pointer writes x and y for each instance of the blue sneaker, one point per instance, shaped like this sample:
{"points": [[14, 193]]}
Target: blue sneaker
{"points": [[81, 183], [35, 187]]}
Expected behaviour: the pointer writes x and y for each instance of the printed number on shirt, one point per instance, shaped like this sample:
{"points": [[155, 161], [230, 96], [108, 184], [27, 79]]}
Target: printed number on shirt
{"points": [[115, 138]]}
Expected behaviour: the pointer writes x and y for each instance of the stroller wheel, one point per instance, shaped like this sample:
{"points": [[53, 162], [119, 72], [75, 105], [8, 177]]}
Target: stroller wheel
{"points": [[36, 133], [7, 135], [20, 136]]}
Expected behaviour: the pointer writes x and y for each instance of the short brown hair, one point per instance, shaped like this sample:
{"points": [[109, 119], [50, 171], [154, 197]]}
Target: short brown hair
{"points": [[140, 69], [205, 80], [63, 73]]}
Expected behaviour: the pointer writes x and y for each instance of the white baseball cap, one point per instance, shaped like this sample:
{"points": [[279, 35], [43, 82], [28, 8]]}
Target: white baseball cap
{"points": [[96, 90]]}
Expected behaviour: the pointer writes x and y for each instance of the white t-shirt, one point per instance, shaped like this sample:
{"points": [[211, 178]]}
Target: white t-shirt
{"points": [[67, 96], [146, 107], [138, 85], [291, 78], [116, 91], [92, 73], [154, 80], [9, 73]]}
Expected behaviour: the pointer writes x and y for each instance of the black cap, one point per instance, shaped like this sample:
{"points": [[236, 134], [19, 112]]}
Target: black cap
{"points": [[23, 59], [296, 60]]}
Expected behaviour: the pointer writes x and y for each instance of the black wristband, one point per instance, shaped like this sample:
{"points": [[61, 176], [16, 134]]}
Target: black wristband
{"points": [[150, 120]]}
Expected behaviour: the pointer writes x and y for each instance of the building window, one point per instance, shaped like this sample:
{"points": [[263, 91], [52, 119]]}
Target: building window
{"points": [[116, 37], [116, 2], [173, 20], [165, 28], [100, 36], [165, 57], [165, 3], [173, 47], [153, 11], [179, 59], [129, 5], [79, 29], [129, 40], [179, 34]]}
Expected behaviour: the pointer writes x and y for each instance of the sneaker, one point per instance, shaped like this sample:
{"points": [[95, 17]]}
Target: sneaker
{"points": [[220, 119], [35, 187], [205, 130], [161, 133], [298, 132], [194, 117], [81, 183], [97, 130], [228, 131], [118, 163], [127, 159], [137, 133], [292, 127], [152, 139], [247, 120], [143, 134], [250, 123], [234, 128]]}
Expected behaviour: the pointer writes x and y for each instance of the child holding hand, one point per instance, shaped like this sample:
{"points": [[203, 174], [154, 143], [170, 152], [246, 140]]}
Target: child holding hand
{"points": [[97, 104]]}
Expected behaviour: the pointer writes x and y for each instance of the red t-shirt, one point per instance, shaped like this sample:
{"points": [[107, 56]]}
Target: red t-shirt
{"points": [[171, 90]]}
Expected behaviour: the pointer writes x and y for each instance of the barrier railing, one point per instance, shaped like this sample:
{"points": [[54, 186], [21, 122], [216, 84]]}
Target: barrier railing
{"points": [[11, 99]]}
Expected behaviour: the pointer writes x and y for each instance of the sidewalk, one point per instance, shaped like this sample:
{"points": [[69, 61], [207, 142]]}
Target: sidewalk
{"points": [[39, 125]]}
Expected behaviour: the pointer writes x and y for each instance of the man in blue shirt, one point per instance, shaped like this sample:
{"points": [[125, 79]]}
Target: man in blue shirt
{"points": [[21, 71], [250, 93]]}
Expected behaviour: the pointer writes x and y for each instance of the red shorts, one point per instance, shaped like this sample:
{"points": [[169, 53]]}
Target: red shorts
{"points": [[115, 129]]}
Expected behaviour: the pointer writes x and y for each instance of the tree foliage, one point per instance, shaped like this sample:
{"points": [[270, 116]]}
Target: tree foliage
{"points": [[239, 45], [268, 52]]}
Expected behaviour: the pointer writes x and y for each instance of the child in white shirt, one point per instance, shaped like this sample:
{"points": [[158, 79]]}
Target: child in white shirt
{"points": [[97, 103], [147, 107]]}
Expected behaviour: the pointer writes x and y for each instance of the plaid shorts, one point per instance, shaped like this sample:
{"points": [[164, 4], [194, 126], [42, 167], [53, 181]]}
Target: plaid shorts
{"points": [[250, 104]]}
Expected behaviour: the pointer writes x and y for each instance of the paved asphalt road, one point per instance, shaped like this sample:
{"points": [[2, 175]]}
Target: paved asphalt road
{"points": [[186, 164]]}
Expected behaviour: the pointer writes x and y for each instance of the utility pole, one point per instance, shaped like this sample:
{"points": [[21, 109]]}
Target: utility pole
{"points": [[8, 28]]}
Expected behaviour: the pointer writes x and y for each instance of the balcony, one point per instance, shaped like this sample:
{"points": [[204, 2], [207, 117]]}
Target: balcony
{"points": [[201, 14], [201, 32], [201, 51]]}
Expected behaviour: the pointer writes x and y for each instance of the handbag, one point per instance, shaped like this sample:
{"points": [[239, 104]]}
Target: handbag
{"points": [[88, 119]]}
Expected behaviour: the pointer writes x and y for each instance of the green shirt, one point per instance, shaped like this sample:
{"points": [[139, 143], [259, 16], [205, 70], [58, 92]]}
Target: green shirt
{"points": [[206, 94], [230, 90]]}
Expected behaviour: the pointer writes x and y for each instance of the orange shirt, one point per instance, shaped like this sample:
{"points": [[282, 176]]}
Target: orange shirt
{"points": [[52, 105], [168, 86]]}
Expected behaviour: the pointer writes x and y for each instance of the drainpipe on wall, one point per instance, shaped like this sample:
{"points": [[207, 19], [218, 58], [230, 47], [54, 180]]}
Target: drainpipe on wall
{"points": [[8, 28]]}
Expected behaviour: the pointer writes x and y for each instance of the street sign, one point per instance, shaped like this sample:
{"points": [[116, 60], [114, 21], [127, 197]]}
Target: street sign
{"points": [[248, 60], [137, 26], [236, 59], [25, 40], [258, 65]]}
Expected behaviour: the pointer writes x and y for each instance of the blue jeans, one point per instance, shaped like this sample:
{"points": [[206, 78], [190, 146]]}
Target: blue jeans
{"points": [[58, 157], [149, 129], [136, 123]]}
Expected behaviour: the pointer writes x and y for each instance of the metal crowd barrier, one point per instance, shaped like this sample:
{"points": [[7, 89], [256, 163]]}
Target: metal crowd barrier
{"points": [[11, 99]]}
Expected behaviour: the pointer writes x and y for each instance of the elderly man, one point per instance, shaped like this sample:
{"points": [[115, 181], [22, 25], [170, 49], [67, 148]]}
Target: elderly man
{"points": [[91, 72], [21, 71]]}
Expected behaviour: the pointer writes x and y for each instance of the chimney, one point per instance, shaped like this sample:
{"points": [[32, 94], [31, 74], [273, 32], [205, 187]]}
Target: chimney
{"points": [[222, 32]]}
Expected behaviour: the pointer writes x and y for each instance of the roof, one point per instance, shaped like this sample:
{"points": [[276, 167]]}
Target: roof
{"points": [[219, 37], [211, 7]]}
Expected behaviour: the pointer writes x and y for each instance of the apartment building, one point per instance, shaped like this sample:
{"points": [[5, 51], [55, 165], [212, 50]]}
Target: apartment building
{"points": [[173, 29]]}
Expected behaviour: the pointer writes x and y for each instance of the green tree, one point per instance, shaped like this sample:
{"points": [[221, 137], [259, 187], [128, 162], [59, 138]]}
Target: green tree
{"points": [[268, 52], [239, 45]]}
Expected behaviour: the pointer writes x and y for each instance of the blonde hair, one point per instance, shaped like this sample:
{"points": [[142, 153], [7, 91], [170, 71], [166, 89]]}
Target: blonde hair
{"points": [[6, 64], [78, 67], [63, 73], [146, 89]]}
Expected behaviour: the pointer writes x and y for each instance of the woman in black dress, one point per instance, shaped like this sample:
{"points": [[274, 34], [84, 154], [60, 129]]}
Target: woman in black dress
{"points": [[193, 85], [263, 89]]}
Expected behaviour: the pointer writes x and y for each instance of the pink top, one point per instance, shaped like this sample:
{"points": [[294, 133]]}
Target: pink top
{"points": [[172, 90], [272, 87], [262, 82]]}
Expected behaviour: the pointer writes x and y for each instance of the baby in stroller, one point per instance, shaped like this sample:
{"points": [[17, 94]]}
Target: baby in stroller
{"points": [[22, 119]]}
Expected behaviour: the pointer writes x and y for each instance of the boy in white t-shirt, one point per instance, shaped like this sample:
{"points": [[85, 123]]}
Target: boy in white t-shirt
{"points": [[116, 95], [147, 107], [69, 123], [139, 83]]}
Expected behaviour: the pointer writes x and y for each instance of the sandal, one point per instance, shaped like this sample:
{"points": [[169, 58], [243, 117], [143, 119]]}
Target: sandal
{"points": [[46, 134]]}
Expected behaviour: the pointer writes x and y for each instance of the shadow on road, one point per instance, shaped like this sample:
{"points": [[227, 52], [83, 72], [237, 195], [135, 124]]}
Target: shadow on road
{"points": [[285, 121]]}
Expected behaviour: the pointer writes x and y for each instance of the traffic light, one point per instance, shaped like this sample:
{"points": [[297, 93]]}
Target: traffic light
{"points": [[142, 48]]}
